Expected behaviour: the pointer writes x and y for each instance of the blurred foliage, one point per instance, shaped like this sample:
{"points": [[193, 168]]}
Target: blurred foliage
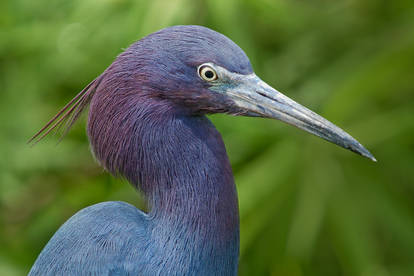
{"points": [[307, 207]]}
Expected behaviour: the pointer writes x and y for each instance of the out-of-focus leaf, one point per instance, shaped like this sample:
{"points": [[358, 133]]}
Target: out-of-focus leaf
{"points": [[307, 207]]}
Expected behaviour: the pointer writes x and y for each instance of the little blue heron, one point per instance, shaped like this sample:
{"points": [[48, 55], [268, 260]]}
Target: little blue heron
{"points": [[147, 122]]}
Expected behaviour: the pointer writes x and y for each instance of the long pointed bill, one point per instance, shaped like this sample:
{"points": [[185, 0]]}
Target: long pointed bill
{"points": [[255, 96]]}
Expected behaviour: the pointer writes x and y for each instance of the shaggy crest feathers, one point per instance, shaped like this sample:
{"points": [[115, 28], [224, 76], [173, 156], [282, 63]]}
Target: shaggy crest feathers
{"points": [[69, 114]]}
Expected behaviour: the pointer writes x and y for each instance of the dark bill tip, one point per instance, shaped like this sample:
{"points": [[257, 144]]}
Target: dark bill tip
{"points": [[256, 97]]}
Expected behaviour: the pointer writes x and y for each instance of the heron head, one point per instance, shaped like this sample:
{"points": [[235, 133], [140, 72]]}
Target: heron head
{"points": [[195, 70]]}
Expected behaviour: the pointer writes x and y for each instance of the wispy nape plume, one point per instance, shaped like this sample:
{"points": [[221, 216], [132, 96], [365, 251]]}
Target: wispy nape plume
{"points": [[68, 115]]}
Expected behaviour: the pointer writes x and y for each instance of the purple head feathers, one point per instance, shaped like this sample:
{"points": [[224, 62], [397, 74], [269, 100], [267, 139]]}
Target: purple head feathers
{"points": [[162, 65]]}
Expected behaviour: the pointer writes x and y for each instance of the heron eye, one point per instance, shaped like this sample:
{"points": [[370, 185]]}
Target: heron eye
{"points": [[207, 73]]}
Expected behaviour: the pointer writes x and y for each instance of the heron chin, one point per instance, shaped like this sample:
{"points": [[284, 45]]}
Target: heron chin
{"points": [[147, 123]]}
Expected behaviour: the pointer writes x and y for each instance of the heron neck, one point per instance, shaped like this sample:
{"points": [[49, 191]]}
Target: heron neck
{"points": [[191, 190], [180, 164], [188, 170]]}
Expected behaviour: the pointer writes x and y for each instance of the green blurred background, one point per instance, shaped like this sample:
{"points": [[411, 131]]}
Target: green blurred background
{"points": [[307, 207]]}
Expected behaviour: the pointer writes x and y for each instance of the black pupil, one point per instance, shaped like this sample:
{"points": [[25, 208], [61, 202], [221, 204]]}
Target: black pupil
{"points": [[209, 74]]}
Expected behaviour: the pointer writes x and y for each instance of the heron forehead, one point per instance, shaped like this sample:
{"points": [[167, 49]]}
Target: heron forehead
{"points": [[194, 45]]}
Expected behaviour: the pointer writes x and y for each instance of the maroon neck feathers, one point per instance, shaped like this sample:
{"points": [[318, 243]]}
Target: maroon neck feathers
{"points": [[178, 161]]}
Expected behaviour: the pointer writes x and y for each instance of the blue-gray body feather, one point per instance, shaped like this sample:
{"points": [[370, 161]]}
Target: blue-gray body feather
{"points": [[113, 238], [103, 239]]}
